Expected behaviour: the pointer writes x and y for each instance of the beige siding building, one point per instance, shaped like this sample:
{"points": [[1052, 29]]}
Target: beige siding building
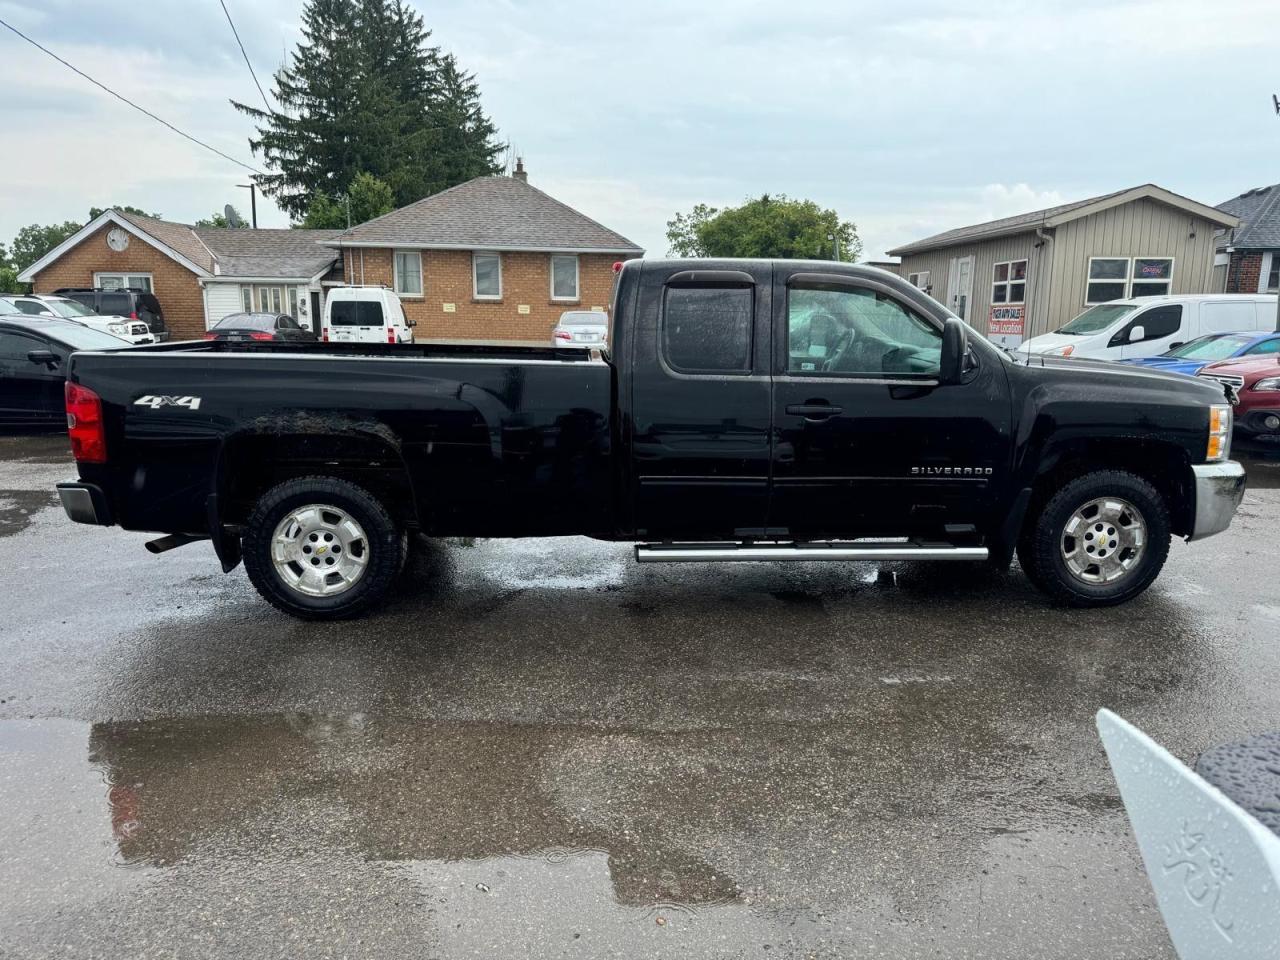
{"points": [[1022, 276]]}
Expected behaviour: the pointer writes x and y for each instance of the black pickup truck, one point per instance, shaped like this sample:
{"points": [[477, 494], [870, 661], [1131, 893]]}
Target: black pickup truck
{"points": [[746, 410]]}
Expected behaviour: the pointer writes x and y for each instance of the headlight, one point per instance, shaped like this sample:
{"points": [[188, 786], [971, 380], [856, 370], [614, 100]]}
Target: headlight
{"points": [[1271, 383], [117, 328], [1219, 445]]}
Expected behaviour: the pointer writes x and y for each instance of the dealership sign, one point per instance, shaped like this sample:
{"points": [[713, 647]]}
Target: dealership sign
{"points": [[1007, 324]]}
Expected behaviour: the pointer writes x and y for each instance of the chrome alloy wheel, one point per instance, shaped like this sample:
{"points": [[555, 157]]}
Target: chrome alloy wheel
{"points": [[319, 550], [1103, 540]]}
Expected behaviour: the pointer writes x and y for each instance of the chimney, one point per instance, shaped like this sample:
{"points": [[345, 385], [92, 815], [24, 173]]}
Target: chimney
{"points": [[519, 172]]}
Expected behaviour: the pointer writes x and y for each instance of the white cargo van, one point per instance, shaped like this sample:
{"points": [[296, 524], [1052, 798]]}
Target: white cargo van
{"points": [[1148, 326], [364, 315]]}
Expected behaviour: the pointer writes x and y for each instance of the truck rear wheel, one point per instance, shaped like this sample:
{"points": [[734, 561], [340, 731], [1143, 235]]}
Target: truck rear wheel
{"points": [[1100, 540], [320, 548]]}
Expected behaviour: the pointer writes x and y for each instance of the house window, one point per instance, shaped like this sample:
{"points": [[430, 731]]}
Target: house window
{"points": [[1108, 279], [919, 280], [486, 270], [564, 278], [118, 281], [407, 271], [1270, 274], [1152, 276], [262, 299], [1119, 278], [1009, 282]]}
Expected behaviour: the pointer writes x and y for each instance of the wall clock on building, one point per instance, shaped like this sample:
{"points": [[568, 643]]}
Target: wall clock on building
{"points": [[117, 239]]}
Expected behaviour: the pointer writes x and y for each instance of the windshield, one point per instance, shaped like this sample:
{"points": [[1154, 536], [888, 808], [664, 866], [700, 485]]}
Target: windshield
{"points": [[1210, 348], [69, 309], [77, 337], [1096, 319]]}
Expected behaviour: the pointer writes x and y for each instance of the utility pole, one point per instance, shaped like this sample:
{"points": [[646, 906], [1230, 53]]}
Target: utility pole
{"points": [[253, 201]]}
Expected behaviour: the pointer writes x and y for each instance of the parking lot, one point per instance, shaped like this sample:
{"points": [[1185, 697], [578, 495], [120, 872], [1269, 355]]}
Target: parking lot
{"points": [[542, 748]]}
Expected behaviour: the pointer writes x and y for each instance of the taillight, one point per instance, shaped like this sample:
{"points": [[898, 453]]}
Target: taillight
{"points": [[133, 315], [84, 424], [563, 335], [391, 334], [259, 335], [324, 334], [211, 336]]}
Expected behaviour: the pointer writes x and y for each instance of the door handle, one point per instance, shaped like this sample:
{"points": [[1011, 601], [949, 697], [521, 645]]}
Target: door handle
{"points": [[814, 412]]}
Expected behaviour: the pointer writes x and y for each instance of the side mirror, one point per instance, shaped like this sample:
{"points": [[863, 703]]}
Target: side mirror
{"points": [[955, 346], [45, 358], [1137, 333]]}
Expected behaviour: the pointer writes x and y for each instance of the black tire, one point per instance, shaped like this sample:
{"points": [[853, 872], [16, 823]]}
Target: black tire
{"points": [[1040, 549], [386, 547]]}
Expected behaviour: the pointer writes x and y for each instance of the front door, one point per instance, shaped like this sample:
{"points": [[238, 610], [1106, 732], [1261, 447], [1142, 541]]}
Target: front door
{"points": [[30, 393], [866, 441], [701, 403], [960, 286]]}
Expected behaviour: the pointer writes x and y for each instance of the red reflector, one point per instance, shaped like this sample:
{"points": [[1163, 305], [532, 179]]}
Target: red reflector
{"points": [[84, 424], [617, 266], [259, 335]]}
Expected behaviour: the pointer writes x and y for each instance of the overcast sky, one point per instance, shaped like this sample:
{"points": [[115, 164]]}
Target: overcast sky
{"points": [[907, 118]]}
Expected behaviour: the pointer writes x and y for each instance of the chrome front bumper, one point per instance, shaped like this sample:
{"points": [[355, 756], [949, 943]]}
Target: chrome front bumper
{"points": [[1219, 490]]}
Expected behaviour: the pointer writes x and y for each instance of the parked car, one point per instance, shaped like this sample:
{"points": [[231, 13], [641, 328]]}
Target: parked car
{"points": [[364, 315], [702, 437], [1150, 326], [33, 367], [132, 302], [1256, 383], [1191, 357], [260, 326], [581, 328], [43, 305]]}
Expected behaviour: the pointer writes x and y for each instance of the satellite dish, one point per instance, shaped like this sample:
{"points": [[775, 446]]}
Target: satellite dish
{"points": [[233, 218]]}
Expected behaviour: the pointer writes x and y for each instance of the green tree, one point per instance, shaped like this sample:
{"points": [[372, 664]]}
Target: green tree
{"points": [[35, 240], [768, 226], [365, 91], [369, 197], [220, 220], [8, 273], [95, 212]]}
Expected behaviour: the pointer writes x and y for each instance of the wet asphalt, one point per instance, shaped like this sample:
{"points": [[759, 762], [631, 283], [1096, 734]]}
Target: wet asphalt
{"points": [[540, 748]]}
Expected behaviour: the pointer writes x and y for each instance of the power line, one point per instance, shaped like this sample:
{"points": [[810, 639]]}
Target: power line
{"points": [[236, 33], [124, 99]]}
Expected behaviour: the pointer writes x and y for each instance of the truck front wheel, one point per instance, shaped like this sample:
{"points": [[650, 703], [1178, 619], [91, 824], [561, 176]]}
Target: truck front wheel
{"points": [[320, 548], [1100, 540]]}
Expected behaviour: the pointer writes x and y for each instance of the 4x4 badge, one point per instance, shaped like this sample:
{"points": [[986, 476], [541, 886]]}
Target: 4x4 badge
{"points": [[156, 402]]}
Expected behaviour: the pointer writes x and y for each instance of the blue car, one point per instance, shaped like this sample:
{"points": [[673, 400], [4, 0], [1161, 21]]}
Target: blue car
{"points": [[1194, 354]]}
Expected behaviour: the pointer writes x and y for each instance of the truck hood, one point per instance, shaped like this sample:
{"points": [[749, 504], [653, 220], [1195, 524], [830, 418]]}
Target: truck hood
{"points": [[1108, 373]]}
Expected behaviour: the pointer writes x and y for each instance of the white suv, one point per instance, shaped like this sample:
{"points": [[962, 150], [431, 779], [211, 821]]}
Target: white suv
{"points": [[43, 305]]}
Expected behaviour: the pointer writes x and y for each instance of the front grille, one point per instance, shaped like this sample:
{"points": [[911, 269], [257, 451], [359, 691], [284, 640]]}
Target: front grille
{"points": [[1230, 381], [139, 329]]}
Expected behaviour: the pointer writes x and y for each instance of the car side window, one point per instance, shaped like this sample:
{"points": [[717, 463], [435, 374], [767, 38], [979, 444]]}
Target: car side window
{"points": [[1266, 346], [1156, 323], [33, 308], [858, 332], [708, 329], [287, 323], [14, 348]]}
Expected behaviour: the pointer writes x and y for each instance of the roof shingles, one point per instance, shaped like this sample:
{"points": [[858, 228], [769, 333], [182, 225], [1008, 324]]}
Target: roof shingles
{"points": [[1259, 211], [488, 213]]}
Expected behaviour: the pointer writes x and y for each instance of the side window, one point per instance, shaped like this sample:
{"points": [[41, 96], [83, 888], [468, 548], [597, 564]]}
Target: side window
{"points": [[858, 332], [1156, 323], [708, 329], [14, 348], [1266, 346], [287, 323], [115, 305]]}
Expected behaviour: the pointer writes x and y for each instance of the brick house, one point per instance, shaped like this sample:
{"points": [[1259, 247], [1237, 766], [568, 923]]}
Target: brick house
{"points": [[1248, 257], [199, 274], [490, 259]]}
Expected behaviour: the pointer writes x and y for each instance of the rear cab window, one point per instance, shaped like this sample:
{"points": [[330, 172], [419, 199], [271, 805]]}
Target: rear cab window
{"points": [[707, 329]]}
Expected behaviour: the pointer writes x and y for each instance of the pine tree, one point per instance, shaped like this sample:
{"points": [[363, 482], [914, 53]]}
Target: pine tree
{"points": [[365, 91]]}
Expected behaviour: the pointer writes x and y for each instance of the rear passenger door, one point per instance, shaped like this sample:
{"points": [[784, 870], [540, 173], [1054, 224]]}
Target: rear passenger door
{"points": [[30, 393], [701, 404]]}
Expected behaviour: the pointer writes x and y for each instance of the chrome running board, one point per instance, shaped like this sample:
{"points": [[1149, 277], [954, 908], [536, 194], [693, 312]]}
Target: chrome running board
{"points": [[829, 550]]}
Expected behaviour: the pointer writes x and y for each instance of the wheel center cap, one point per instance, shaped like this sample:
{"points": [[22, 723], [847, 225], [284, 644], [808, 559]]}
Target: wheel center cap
{"points": [[321, 549]]}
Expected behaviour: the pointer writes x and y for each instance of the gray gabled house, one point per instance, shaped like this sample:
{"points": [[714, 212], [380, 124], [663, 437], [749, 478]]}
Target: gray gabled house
{"points": [[1248, 257], [1021, 276]]}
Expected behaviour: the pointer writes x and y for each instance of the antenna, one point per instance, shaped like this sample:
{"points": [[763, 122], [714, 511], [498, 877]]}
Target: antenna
{"points": [[233, 218]]}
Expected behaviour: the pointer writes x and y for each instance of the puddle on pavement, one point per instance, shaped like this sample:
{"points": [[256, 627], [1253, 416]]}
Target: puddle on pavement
{"points": [[19, 507]]}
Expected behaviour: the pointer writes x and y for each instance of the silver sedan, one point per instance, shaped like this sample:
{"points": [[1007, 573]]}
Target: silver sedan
{"points": [[581, 328]]}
